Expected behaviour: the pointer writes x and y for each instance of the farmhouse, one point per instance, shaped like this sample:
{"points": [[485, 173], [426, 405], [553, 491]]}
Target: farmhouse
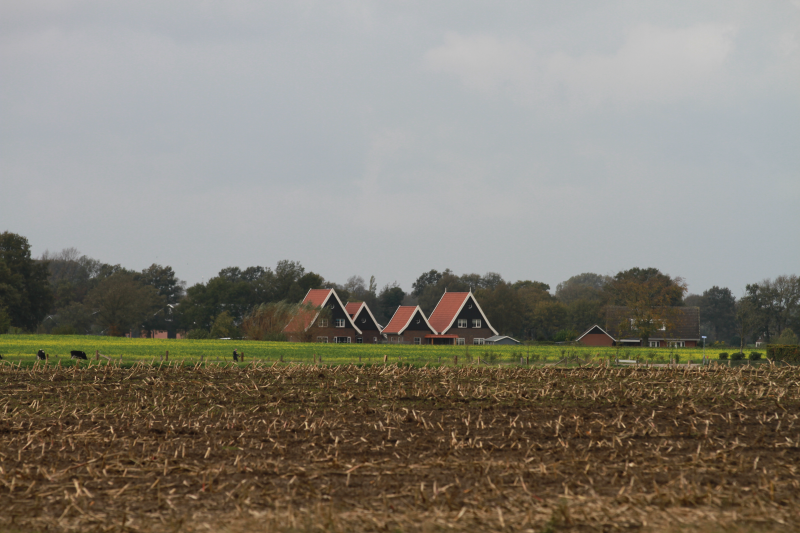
{"points": [[674, 327], [362, 317], [458, 319], [409, 326], [329, 322]]}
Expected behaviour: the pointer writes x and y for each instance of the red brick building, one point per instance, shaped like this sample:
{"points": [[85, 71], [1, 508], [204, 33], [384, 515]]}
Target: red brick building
{"points": [[332, 325], [363, 318], [458, 319], [408, 326]]}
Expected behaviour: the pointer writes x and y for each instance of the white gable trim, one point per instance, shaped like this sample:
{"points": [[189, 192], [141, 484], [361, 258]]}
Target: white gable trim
{"points": [[324, 303], [408, 322], [455, 315], [590, 329]]}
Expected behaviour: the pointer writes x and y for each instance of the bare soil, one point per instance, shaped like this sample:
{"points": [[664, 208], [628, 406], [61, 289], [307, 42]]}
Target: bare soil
{"points": [[306, 448]]}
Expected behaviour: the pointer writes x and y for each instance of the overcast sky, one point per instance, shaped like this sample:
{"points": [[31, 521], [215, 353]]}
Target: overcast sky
{"points": [[535, 139]]}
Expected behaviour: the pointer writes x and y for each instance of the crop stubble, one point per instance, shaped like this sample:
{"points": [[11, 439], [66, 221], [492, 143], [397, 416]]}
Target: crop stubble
{"points": [[301, 447]]}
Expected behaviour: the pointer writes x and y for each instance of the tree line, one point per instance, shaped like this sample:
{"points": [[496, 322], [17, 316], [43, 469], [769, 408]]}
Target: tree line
{"points": [[69, 293]]}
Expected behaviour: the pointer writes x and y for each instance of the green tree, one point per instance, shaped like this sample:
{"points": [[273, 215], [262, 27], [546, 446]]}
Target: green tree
{"points": [[431, 277], [586, 286], [223, 326], [787, 337], [390, 297], [503, 308], [121, 302], [718, 311], [25, 293]]}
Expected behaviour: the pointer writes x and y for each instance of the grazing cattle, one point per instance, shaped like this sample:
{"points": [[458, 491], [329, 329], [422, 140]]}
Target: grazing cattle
{"points": [[41, 355], [77, 354]]}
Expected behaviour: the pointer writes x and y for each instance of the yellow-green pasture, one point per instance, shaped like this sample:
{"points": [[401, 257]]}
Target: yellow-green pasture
{"points": [[22, 348]]}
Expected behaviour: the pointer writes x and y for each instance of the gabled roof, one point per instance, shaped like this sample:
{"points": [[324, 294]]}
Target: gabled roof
{"points": [[499, 338], [450, 306], [595, 329], [354, 308], [401, 320], [317, 298]]}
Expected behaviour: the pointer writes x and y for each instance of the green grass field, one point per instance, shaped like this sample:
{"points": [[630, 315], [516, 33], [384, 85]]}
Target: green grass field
{"points": [[23, 348]]}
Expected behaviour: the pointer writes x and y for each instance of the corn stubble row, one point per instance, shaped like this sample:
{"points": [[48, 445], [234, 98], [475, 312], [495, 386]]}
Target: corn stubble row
{"points": [[304, 447]]}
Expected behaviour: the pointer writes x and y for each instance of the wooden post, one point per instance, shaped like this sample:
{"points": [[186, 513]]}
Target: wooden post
{"points": [[455, 360], [359, 359], [281, 358], [241, 356], [315, 359], [384, 358], [166, 356], [97, 355]]}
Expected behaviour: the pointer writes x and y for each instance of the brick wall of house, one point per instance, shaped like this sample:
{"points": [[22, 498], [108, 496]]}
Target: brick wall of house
{"points": [[470, 334], [597, 339]]}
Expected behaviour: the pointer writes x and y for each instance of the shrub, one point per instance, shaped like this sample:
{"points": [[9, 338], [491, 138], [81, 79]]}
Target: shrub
{"points": [[197, 334], [780, 352], [723, 355], [754, 356], [677, 357], [738, 356]]}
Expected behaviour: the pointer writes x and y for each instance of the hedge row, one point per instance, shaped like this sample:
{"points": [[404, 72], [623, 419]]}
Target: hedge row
{"points": [[783, 352]]}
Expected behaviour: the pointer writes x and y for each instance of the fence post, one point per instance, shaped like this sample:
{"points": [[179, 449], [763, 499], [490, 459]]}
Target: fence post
{"points": [[384, 359], [166, 356], [97, 355], [455, 360], [241, 356]]}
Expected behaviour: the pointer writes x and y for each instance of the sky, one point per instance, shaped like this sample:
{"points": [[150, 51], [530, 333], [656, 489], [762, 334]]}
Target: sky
{"points": [[539, 140]]}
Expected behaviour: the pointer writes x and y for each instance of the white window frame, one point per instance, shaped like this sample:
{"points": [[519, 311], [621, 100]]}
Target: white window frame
{"points": [[460, 341], [360, 340], [323, 340], [677, 344], [342, 340], [338, 322], [417, 340], [462, 323], [374, 340], [400, 339], [478, 341], [654, 344], [323, 322], [476, 322]]}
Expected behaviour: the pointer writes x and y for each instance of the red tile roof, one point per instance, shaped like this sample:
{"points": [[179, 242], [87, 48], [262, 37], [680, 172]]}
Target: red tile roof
{"points": [[400, 319], [301, 321], [317, 297], [447, 309], [353, 308]]}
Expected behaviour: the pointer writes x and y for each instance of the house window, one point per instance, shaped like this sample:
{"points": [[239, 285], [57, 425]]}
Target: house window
{"points": [[400, 340], [633, 324], [460, 341], [655, 344], [462, 322], [663, 327], [477, 341], [341, 340], [359, 341], [417, 340], [374, 340], [677, 344], [476, 322], [339, 322], [323, 322], [322, 339]]}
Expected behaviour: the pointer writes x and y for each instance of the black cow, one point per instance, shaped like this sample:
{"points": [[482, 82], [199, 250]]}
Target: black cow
{"points": [[235, 356], [41, 355], [77, 354]]}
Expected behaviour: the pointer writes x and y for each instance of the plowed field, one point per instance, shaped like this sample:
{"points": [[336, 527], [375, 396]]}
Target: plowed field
{"points": [[306, 448]]}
